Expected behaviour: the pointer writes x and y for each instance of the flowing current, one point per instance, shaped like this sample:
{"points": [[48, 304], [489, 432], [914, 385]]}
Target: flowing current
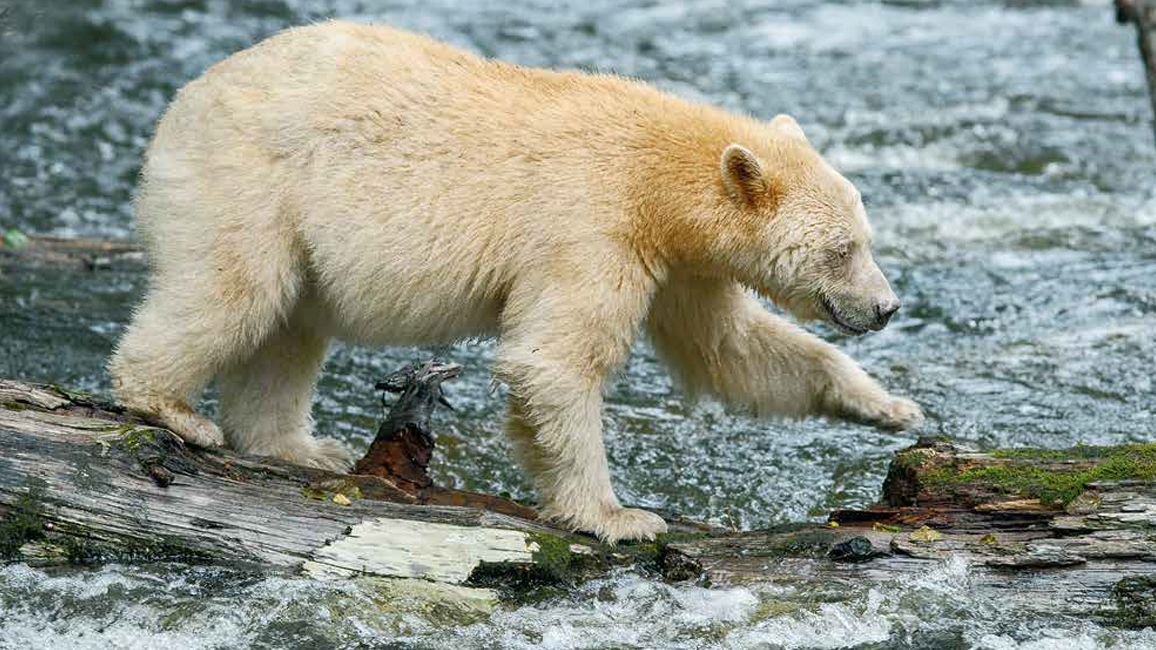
{"points": [[1005, 155]]}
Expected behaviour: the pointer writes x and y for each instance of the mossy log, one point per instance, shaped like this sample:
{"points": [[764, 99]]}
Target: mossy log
{"points": [[83, 481], [1070, 531]]}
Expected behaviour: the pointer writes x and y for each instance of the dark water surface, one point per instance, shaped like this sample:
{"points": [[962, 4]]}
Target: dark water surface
{"points": [[1006, 160]]}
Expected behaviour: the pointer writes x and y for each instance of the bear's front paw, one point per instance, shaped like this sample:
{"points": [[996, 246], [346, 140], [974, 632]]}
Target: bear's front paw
{"points": [[612, 525], [899, 413], [629, 523]]}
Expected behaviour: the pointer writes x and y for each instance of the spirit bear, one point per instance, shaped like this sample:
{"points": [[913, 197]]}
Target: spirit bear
{"points": [[365, 183]]}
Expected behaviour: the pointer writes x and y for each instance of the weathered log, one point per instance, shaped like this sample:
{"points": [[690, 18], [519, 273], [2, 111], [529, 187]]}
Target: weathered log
{"points": [[81, 480], [1070, 531], [17, 248], [1143, 14]]}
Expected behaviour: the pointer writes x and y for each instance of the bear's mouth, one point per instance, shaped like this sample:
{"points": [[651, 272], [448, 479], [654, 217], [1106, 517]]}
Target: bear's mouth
{"points": [[838, 321]]}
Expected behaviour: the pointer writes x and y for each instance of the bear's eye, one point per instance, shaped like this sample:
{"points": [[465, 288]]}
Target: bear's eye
{"points": [[843, 250]]}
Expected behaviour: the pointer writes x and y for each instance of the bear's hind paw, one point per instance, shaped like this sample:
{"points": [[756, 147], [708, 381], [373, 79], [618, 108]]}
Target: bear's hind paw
{"points": [[630, 523], [191, 427], [322, 453]]}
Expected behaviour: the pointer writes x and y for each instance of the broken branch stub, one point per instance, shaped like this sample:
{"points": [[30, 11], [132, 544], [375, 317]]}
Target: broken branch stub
{"points": [[402, 449]]}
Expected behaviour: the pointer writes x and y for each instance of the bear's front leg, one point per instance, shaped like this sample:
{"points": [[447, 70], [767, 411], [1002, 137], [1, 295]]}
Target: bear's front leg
{"points": [[555, 353], [718, 339], [560, 446], [852, 393]]}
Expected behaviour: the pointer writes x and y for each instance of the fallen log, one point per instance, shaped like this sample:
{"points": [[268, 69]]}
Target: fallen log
{"points": [[1068, 531], [1142, 13], [18, 248]]}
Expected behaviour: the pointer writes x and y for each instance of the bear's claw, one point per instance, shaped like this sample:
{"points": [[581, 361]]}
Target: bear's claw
{"points": [[900, 413], [331, 455], [613, 525], [190, 427]]}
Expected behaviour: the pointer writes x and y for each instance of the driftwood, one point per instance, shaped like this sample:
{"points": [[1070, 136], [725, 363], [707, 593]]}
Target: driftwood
{"points": [[1070, 531], [1142, 13], [17, 248]]}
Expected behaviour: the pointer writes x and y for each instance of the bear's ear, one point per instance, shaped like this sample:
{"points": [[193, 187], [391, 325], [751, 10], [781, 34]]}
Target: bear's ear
{"points": [[787, 125], [743, 175]]}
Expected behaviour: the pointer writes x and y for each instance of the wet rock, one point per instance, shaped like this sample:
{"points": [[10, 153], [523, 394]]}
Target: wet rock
{"points": [[1135, 602], [856, 549], [679, 567]]}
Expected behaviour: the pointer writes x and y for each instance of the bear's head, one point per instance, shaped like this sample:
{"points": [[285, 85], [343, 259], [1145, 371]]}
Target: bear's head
{"points": [[805, 242]]}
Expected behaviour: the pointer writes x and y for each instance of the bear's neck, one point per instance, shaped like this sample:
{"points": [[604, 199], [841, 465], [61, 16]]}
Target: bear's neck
{"points": [[681, 217]]}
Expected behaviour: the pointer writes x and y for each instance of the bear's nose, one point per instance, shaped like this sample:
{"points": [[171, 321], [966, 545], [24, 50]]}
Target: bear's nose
{"points": [[884, 311]]}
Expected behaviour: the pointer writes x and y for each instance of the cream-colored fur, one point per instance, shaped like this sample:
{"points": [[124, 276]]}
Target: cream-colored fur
{"points": [[370, 184]]}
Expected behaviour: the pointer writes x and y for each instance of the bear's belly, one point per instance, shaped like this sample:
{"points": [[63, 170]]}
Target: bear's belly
{"points": [[409, 309]]}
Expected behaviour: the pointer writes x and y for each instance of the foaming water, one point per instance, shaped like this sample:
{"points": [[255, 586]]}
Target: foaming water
{"points": [[1005, 157], [209, 607]]}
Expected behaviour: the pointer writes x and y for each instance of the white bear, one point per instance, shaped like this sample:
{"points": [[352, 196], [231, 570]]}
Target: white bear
{"points": [[361, 182]]}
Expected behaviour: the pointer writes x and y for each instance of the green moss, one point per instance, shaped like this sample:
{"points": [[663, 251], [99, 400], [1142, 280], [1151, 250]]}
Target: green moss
{"points": [[23, 522], [1078, 452], [70, 395], [1134, 601], [310, 492], [647, 548], [1055, 485], [553, 557], [913, 458], [133, 438], [554, 568], [326, 490], [14, 238]]}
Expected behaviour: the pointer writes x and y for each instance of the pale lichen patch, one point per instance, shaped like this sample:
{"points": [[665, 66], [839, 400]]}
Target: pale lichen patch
{"points": [[414, 549]]}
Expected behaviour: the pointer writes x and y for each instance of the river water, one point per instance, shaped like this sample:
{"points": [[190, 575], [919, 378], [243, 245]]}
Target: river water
{"points": [[1004, 153]]}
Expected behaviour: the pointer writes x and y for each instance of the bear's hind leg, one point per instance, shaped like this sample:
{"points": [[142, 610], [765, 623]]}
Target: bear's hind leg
{"points": [[161, 365], [198, 320], [266, 401]]}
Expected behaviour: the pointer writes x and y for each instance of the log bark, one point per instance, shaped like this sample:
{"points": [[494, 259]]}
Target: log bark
{"points": [[1070, 531], [1142, 13]]}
